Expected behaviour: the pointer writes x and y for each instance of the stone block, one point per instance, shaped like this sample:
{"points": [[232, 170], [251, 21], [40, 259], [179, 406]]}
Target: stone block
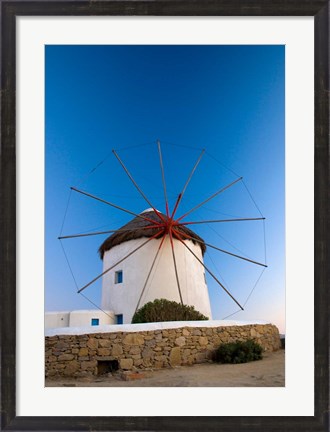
{"points": [[59, 366], [135, 350], [117, 350], [126, 363], [180, 341], [162, 343], [88, 365], [92, 343], [133, 339], [175, 356], [203, 340], [66, 357], [151, 343], [160, 358], [136, 356], [148, 353], [138, 362], [103, 352], [83, 352], [253, 333], [71, 368], [62, 345], [105, 343], [197, 332], [147, 363]]}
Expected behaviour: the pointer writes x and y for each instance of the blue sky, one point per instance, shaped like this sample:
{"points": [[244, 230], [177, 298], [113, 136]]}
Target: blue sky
{"points": [[228, 100]]}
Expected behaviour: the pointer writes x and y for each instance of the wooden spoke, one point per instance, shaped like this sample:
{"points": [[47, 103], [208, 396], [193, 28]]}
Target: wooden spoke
{"points": [[222, 250], [113, 205], [137, 186], [163, 177], [211, 197], [186, 184], [221, 220], [175, 266], [148, 276], [108, 232]]}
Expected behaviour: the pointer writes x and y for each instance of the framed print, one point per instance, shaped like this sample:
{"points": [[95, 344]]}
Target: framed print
{"points": [[54, 48]]}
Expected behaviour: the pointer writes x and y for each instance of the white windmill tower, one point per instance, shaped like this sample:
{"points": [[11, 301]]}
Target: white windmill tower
{"points": [[158, 266]]}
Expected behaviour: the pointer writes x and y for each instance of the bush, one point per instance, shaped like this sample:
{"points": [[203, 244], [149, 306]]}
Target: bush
{"points": [[238, 352], [165, 310]]}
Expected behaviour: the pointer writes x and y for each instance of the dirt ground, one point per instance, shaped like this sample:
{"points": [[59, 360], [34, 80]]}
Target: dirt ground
{"points": [[268, 372]]}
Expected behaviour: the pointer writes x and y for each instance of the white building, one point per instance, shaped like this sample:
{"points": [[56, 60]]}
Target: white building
{"points": [[124, 286], [78, 318]]}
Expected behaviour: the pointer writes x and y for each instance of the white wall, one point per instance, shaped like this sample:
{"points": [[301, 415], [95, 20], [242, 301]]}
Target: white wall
{"points": [[149, 327], [123, 298], [57, 319], [78, 318]]}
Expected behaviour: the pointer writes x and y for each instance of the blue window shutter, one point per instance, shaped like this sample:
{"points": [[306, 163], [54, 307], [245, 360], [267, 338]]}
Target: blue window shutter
{"points": [[119, 319], [119, 276]]}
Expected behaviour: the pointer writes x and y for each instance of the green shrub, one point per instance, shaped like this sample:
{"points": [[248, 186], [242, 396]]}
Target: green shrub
{"points": [[165, 310], [238, 352]]}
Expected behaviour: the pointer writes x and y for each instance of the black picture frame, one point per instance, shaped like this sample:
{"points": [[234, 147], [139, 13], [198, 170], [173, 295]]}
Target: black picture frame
{"points": [[319, 9]]}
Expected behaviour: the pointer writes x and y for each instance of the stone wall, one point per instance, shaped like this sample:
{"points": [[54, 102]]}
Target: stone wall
{"points": [[82, 355]]}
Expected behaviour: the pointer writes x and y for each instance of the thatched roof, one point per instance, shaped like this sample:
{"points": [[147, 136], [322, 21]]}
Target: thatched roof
{"points": [[134, 230]]}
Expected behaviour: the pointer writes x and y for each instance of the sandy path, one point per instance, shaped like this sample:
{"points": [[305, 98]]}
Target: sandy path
{"points": [[268, 372]]}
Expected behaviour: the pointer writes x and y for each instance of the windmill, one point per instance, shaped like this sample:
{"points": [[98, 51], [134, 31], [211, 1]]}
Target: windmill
{"points": [[157, 254]]}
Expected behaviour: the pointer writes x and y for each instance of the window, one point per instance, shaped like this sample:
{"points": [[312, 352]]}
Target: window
{"points": [[95, 321], [119, 277], [119, 319]]}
